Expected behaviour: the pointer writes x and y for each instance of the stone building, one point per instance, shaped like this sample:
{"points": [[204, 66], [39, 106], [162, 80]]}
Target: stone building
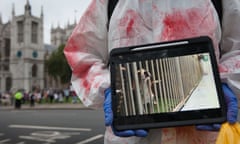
{"points": [[5, 43], [59, 36], [22, 51]]}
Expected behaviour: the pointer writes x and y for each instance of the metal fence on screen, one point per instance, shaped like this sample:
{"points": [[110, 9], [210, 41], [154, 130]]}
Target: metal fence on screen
{"points": [[156, 85]]}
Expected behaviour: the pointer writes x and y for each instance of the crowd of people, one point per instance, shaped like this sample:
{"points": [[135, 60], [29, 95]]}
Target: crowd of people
{"points": [[39, 96]]}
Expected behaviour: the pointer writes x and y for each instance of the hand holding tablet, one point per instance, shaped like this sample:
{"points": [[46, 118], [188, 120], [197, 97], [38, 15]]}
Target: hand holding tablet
{"points": [[166, 84]]}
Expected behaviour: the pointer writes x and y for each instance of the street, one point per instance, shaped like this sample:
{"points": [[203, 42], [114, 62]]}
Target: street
{"points": [[51, 126]]}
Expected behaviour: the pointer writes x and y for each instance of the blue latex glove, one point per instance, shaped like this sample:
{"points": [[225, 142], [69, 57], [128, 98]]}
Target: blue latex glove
{"points": [[109, 119], [232, 110]]}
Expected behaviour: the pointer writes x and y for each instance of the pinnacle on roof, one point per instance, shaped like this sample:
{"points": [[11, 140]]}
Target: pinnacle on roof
{"points": [[28, 8]]}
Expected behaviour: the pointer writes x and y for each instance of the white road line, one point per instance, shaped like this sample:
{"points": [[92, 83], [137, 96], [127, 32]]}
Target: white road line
{"points": [[37, 139], [48, 128], [90, 139], [21, 143], [1, 134], [3, 141]]}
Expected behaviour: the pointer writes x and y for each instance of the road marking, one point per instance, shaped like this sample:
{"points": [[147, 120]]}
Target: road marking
{"points": [[48, 128], [3, 141], [90, 139], [48, 136], [37, 139], [21, 143], [1, 134]]}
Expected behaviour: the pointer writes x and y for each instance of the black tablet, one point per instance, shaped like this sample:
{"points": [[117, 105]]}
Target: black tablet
{"points": [[166, 84]]}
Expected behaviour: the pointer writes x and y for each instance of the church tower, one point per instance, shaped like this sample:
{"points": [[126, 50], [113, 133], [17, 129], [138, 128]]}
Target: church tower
{"points": [[27, 50]]}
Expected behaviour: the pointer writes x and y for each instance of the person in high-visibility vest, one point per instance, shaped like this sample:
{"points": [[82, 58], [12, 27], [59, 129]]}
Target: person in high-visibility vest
{"points": [[18, 98]]}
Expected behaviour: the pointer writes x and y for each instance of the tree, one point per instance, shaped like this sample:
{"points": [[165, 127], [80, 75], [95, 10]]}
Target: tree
{"points": [[57, 65]]}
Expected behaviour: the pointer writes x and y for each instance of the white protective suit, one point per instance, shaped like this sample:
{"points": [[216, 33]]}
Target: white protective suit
{"points": [[137, 22]]}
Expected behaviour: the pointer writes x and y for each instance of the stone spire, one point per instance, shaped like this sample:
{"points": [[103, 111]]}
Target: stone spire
{"points": [[27, 8], [0, 18], [13, 10], [75, 19], [41, 11]]}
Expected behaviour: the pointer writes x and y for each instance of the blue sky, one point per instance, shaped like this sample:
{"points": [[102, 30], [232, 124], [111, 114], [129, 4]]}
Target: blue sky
{"points": [[56, 12]]}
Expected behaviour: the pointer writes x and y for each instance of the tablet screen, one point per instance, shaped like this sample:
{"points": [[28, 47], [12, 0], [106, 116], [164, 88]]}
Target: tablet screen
{"points": [[166, 84]]}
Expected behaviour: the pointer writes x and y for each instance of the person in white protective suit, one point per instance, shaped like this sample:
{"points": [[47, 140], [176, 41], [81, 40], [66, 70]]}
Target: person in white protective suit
{"points": [[136, 22]]}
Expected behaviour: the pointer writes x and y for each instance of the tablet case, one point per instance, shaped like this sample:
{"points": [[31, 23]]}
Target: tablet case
{"points": [[166, 84]]}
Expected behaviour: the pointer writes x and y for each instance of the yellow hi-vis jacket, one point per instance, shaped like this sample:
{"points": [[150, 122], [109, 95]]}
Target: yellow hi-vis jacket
{"points": [[18, 95]]}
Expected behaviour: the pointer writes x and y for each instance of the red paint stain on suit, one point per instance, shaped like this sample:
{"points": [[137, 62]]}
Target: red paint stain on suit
{"points": [[130, 26], [237, 65], [82, 74], [76, 45], [88, 15], [185, 24], [128, 22], [88, 78], [222, 69]]}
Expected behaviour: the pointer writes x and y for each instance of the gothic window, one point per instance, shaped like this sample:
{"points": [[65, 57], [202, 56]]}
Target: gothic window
{"points": [[20, 31], [55, 40], [34, 70], [6, 54], [8, 83], [7, 48], [34, 32], [0, 49], [63, 40], [6, 65]]}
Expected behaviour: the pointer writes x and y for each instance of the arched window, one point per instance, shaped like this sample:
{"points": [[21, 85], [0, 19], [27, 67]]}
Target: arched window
{"points": [[34, 32], [20, 32], [8, 83], [34, 70]]}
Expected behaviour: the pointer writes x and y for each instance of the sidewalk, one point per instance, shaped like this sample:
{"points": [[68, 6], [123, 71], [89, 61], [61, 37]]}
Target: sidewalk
{"points": [[60, 106]]}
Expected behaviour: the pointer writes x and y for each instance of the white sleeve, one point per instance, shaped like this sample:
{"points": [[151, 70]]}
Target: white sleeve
{"points": [[87, 54], [231, 23], [230, 44]]}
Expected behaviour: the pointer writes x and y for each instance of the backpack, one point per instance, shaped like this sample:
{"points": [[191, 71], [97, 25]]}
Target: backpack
{"points": [[217, 4]]}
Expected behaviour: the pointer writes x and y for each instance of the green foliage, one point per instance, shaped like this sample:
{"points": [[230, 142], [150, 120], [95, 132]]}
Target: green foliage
{"points": [[57, 65]]}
